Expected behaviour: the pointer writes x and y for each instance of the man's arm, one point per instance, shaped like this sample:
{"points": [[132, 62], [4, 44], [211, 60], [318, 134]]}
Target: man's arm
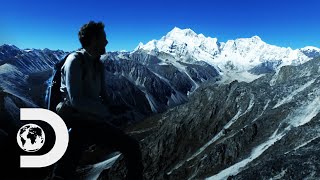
{"points": [[103, 93], [74, 86]]}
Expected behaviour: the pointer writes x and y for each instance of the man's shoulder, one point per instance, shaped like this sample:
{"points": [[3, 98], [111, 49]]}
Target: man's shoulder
{"points": [[74, 57], [75, 54]]}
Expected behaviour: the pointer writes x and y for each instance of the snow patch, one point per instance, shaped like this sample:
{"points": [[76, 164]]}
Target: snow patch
{"points": [[274, 78], [219, 135], [256, 152], [304, 114], [151, 101], [195, 84], [294, 93], [27, 50], [299, 117], [214, 139], [230, 76], [8, 68], [303, 144], [176, 98], [264, 109], [280, 175], [96, 169]]}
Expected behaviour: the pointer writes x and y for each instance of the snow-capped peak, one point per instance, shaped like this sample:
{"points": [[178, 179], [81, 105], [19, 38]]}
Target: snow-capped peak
{"points": [[256, 38], [246, 53], [241, 54], [138, 47], [310, 48], [177, 32], [184, 44], [311, 51]]}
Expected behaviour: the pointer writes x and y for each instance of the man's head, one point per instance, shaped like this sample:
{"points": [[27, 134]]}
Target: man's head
{"points": [[92, 37]]}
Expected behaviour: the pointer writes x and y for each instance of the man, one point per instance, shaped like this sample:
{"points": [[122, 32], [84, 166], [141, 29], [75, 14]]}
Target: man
{"points": [[83, 83]]}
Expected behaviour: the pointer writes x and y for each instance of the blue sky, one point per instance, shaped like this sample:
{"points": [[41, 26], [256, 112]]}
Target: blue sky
{"points": [[54, 24]]}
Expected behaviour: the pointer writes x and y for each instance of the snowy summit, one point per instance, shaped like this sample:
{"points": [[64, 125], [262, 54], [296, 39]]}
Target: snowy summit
{"points": [[237, 55], [184, 44]]}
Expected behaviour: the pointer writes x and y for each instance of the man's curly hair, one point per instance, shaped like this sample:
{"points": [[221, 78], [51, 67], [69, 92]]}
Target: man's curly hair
{"points": [[89, 30]]}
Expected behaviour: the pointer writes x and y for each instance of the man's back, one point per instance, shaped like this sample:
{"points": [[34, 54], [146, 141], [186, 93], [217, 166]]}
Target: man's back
{"points": [[82, 81]]}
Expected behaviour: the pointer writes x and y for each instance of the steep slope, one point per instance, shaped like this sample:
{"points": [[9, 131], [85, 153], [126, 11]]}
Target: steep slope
{"points": [[266, 128], [165, 84]]}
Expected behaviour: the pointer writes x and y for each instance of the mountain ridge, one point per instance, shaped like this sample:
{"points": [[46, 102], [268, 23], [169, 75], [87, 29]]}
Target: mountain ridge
{"points": [[241, 54]]}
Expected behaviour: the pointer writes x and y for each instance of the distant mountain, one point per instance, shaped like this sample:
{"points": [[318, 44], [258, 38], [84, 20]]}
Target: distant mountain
{"points": [[311, 51], [29, 60], [240, 55], [184, 45]]}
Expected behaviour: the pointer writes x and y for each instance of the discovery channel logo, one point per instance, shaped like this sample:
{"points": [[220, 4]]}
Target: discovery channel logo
{"points": [[31, 137]]}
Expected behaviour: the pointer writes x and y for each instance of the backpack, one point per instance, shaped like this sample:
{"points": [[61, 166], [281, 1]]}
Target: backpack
{"points": [[53, 94]]}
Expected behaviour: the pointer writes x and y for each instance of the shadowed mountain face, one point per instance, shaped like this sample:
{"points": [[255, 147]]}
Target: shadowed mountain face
{"points": [[268, 128], [23, 73], [137, 81]]}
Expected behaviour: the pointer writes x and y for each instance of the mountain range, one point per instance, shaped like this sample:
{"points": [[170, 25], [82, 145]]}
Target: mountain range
{"points": [[201, 108], [241, 54]]}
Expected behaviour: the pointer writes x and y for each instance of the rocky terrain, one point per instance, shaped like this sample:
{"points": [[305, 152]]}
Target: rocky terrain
{"points": [[268, 128]]}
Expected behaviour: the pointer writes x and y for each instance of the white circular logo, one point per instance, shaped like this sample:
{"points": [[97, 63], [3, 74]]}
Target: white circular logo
{"points": [[30, 137]]}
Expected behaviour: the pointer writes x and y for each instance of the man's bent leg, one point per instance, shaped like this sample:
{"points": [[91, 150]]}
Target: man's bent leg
{"points": [[66, 167], [110, 136]]}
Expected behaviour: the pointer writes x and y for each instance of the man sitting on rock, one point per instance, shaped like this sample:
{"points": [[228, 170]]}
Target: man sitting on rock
{"points": [[83, 110]]}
